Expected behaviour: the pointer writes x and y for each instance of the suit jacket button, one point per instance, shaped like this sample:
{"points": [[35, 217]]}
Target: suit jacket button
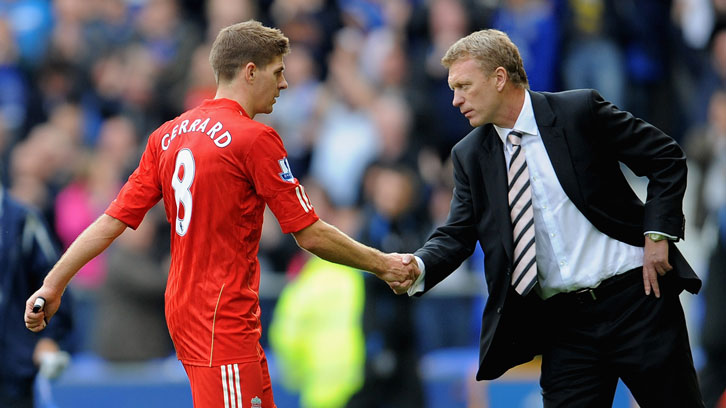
{"points": [[499, 310]]}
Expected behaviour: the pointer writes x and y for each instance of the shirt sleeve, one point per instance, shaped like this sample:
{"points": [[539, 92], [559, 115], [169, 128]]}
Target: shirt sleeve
{"points": [[419, 285], [141, 192], [273, 180]]}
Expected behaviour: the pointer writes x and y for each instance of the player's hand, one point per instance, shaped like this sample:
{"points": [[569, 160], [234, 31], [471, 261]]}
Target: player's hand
{"points": [[409, 264], [655, 262], [399, 275], [37, 321]]}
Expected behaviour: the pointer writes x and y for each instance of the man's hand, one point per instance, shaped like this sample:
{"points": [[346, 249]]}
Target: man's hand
{"points": [[655, 262], [49, 358], [400, 273], [36, 322]]}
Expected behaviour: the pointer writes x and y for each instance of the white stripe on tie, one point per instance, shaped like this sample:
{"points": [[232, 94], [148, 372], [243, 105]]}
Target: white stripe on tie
{"points": [[224, 387], [524, 275]]}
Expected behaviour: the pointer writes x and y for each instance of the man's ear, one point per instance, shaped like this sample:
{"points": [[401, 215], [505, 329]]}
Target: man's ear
{"points": [[250, 71], [502, 77]]}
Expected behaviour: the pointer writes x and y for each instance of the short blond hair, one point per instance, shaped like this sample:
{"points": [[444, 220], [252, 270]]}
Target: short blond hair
{"points": [[492, 49], [240, 43]]}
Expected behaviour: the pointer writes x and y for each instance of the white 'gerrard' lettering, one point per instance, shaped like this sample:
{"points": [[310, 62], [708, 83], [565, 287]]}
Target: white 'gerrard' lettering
{"points": [[220, 140]]}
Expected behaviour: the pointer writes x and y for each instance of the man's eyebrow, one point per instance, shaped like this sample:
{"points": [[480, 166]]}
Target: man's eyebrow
{"points": [[456, 83]]}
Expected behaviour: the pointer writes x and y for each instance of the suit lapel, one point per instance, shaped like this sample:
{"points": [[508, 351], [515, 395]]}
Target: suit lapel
{"points": [[553, 138], [494, 172]]}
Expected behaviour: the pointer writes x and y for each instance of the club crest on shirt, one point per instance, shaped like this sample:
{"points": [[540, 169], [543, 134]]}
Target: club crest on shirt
{"points": [[286, 174], [256, 402]]}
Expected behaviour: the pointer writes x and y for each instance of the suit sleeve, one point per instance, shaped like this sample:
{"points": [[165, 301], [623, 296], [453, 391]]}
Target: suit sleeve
{"points": [[648, 152], [452, 243]]}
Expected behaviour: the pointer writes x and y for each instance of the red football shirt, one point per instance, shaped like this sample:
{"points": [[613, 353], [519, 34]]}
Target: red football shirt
{"points": [[216, 169]]}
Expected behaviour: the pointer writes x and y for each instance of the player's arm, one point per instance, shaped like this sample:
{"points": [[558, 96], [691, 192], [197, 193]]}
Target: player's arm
{"points": [[96, 238], [271, 175], [331, 244]]}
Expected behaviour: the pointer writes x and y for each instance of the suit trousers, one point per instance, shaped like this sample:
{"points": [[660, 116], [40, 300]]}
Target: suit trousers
{"points": [[640, 339]]}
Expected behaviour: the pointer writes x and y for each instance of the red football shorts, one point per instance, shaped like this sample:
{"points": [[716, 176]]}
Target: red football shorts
{"points": [[244, 385]]}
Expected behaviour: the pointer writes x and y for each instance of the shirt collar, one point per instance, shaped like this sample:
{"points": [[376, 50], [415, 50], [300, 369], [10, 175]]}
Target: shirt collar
{"points": [[525, 123]]}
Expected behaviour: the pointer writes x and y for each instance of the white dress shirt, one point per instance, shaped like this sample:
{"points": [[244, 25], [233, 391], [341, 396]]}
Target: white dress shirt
{"points": [[571, 253]]}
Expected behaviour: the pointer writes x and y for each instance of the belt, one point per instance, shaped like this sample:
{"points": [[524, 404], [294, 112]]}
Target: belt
{"points": [[607, 288]]}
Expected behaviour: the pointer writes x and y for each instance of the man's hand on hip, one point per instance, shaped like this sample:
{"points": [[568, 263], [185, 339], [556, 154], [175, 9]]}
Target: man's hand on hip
{"points": [[655, 262]]}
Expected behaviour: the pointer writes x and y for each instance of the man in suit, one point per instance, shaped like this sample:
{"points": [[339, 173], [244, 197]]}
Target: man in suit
{"points": [[577, 267]]}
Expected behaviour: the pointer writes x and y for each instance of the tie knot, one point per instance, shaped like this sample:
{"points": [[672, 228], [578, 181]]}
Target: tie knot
{"points": [[515, 138]]}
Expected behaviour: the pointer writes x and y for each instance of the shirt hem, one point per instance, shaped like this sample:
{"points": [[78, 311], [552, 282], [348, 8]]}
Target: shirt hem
{"points": [[218, 362]]}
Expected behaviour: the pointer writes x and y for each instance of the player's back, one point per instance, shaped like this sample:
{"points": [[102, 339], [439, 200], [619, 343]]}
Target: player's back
{"points": [[215, 169], [216, 214]]}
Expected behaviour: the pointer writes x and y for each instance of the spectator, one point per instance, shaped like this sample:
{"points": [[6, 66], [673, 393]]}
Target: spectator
{"points": [[650, 44], [13, 99], [440, 125], [347, 140], [200, 78], [294, 114], [391, 221], [533, 26], [130, 323], [393, 120], [313, 23], [222, 13], [316, 330], [592, 57], [26, 254], [706, 148], [162, 30], [108, 28], [713, 76], [31, 22], [99, 176], [713, 336], [40, 165]]}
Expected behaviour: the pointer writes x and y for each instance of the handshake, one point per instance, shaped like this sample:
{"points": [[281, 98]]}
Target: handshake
{"points": [[400, 272]]}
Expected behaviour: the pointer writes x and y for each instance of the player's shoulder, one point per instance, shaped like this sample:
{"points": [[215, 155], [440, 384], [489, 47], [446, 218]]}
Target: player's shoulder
{"points": [[254, 127], [253, 132]]}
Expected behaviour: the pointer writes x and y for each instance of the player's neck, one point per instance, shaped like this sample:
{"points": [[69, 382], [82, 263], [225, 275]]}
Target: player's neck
{"points": [[229, 92]]}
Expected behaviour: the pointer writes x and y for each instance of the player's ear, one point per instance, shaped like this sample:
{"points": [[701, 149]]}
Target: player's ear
{"points": [[250, 71]]}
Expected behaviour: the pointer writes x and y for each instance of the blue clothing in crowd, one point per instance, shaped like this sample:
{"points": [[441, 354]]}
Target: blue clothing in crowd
{"points": [[27, 253]]}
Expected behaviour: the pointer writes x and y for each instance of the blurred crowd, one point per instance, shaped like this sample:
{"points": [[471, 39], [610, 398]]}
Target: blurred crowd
{"points": [[367, 119]]}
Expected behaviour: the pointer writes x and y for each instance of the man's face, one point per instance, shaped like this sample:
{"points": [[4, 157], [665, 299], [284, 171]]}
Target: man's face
{"points": [[475, 94], [268, 84]]}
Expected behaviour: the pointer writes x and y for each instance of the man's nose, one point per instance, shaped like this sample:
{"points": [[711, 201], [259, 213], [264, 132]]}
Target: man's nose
{"points": [[457, 101]]}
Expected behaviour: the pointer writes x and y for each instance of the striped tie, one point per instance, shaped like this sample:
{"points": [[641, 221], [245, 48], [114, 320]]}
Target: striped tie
{"points": [[524, 276]]}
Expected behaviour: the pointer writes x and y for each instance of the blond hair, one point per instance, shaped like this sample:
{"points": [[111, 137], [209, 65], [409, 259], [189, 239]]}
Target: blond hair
{"points": [[245, 42], [492, 49]]}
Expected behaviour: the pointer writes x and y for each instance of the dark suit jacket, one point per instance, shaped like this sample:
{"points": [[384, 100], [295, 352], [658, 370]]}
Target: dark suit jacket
{"points": [[585, 137]]}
